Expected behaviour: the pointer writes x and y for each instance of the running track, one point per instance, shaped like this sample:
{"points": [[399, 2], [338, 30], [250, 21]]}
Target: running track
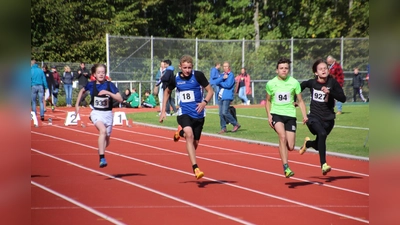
{"points": [[149, 181]]}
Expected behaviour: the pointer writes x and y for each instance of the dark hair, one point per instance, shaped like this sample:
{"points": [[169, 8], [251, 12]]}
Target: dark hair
{"points": [[147, 91], [45, 67], [167, 61], [283, 60], [319, 61]]}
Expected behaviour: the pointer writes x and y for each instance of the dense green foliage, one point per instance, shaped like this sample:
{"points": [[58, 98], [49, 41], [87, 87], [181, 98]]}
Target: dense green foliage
{"points": [[72, 30]]}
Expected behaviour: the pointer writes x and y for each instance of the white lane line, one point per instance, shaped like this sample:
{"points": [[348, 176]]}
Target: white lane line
{"points": [[218, 162], [210, 179], [186, 206], [81, 205], [244, 153], [148, 189], [265, 118]]}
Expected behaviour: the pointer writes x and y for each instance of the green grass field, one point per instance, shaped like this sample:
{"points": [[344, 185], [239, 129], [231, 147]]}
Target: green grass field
{"points": [[348, 136]]}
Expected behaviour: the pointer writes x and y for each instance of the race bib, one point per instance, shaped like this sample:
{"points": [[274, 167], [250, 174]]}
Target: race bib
{"points": [[101, 102], [319, 96], [282, 97], [186, 96]]}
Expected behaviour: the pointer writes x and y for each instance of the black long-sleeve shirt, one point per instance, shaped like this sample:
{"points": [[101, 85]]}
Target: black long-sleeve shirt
{"points": [[322, 105]]}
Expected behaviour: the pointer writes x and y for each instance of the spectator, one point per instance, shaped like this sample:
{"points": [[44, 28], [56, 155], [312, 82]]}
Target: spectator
{"points": [[102, 93], [214, 74], [125, 97], [282, 112], [48, 94], [335, 69], [226, 85], [57, 81], [133, 100], [357, 84], [243, 86], [38, 85], [191, 114], [159, 85], [67, 79], [150, 101], [165, 79], [83, 78]]}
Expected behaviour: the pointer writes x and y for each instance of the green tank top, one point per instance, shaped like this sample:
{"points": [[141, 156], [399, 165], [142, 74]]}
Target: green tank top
{"points": [[282, 94]]}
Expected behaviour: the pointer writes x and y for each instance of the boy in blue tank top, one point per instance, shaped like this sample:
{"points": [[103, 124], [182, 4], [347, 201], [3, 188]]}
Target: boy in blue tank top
{"points": [[189, 86]]}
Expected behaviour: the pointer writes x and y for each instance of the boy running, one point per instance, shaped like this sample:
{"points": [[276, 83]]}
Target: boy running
{"points": [[281, 110]]}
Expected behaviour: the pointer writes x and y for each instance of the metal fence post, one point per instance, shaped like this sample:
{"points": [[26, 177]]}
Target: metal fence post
{"points": [[291, 55], [196, 52], [152, 62], [341, 51], [243, 49], [108, 55]]}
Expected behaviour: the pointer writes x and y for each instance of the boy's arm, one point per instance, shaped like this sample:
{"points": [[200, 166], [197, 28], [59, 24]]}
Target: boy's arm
{"points": [[303, 108], [268, 109]]}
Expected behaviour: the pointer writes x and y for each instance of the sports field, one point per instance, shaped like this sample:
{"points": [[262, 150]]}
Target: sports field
{"points": [[349, 135]]}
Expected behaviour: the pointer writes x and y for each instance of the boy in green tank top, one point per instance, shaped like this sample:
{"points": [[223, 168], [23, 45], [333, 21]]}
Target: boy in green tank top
{"points": [[281, 110]]}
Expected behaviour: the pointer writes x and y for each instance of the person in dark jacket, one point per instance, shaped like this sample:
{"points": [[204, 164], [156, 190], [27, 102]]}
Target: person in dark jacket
{"points": [[83, 77], [67, 79], [165, 79], [357, 84], [50, 84]]}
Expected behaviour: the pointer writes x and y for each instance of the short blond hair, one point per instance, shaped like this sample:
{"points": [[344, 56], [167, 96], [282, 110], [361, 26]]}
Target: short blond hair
{"points": [[187, 59], [67, 69]]}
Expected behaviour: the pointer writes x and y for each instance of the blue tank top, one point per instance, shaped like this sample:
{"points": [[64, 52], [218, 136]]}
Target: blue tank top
{"points": [[190, 94]]}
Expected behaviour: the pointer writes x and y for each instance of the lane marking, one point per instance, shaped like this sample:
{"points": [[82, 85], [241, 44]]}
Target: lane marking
{"points": [[241, 152], [148, 189], [208, 159], [186, 206], [80, 205], [210, 179]]}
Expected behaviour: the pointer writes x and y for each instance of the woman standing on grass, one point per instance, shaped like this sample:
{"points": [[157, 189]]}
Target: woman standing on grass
{"points": [[321, 119]]}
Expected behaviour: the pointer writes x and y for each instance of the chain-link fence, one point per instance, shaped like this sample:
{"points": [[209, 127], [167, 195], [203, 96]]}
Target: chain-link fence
{"points": [[134, 61], [138, 58]]}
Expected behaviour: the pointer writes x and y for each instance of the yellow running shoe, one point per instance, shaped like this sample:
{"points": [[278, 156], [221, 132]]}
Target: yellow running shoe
{"points": [[288, 172], [198, 173], [176, 135], [304, 148], [326, 169]]}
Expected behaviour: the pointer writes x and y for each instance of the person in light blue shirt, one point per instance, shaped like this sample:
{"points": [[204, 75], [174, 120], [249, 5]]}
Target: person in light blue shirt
{"points": [[226, 85], [38, 86]]}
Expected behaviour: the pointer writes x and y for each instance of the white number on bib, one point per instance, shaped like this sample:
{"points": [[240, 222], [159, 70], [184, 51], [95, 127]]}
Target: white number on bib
{"points": [[101, 102], [186, 96], [318, 96], [282, 97]]}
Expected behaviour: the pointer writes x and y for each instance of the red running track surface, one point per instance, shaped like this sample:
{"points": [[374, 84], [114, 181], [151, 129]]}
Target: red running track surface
{"points": [[149, 181]]}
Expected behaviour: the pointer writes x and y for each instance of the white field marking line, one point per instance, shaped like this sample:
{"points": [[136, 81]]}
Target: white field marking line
{"points": [[185, 206], [234, 165], [263, 118], [241, 152], [148, 189], [210, 179], [250, 141], [81, 205]]}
